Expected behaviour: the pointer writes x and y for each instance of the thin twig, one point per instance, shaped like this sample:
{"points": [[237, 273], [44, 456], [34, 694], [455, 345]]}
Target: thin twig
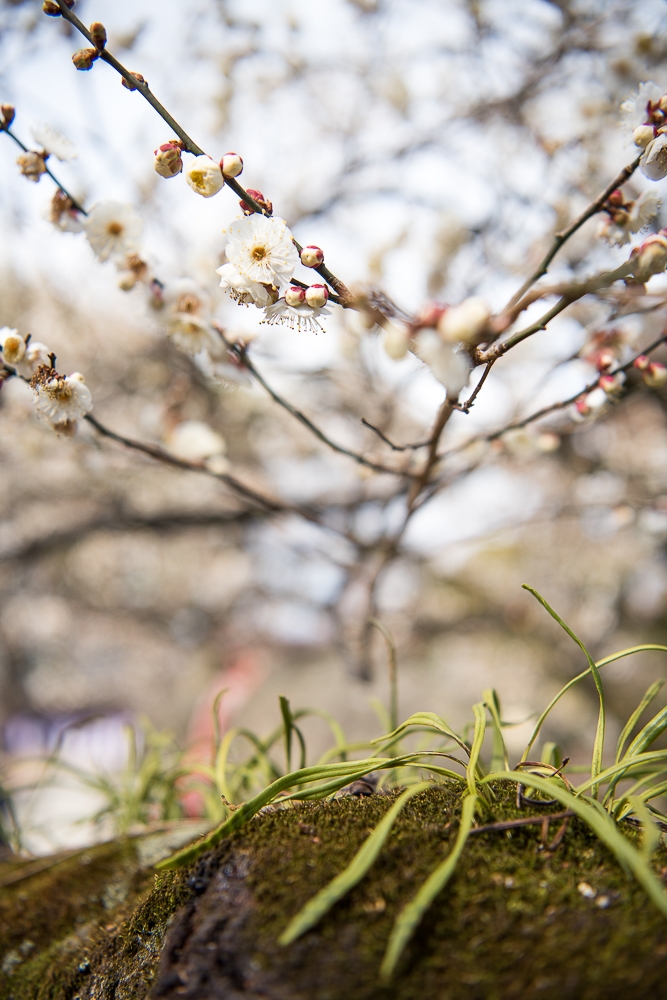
{"points": [[241, 354], [191, 146], [444, 413], [75, 203], [561, 238], [395, 447], [510, 824], [465, 407]]}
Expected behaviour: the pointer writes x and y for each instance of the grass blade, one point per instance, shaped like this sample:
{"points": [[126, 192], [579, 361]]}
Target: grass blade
{"points": [[320, 904], [411, 915], [635, 717], [499, 757], [651, 833], [598, 745], [479, 711], [428, 720]]}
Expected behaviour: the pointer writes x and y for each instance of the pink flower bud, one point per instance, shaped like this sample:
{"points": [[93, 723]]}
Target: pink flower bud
{"points": [[84, 58], [429, 314], [642, 362], [655, 375], [312, 257], [295, 296], [604, 360], [616, 197], [231, 165], [317, 296], [168, 161], [259, 198], [650, 257], [99, 34], [612, 384]]}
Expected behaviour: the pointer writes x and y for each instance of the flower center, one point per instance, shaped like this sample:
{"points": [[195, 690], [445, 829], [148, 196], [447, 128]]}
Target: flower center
{"points": [[258, 253], [114, 229], [188, 303]]}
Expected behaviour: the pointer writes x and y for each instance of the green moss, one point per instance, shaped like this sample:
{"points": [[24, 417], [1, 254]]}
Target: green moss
{"points": [[511, 923]]}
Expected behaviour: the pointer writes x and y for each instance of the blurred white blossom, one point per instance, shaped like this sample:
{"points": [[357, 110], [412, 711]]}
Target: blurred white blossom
{"points": [[53, 142], [113, 229]]}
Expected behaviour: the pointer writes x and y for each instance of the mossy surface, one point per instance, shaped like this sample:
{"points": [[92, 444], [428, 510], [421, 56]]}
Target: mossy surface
{"points": [[511, 923]]}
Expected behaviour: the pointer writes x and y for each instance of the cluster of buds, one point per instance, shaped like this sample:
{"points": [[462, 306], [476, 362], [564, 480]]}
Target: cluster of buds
{"points": [[312, 256], [605, 349], [653, 373], [32, 165], [168, 160], [7, 115], [656, 119], [650, 257], [84, 58], [625, 217], [53, 10], [315, 296], [260, 200]]}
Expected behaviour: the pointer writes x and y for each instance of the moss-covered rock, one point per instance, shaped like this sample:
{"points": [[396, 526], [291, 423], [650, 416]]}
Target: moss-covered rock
{"points": [[512, 923]]}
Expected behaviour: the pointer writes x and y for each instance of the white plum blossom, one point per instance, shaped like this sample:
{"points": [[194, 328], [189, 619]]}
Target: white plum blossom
{"points": [[262, 250], [396, 340], [653, 163], [451, 368], [465, 322], [113, 229], [241, 288], [204, 176], [636, 109], [12, 345], [36, 355], [187, 317], [53, 142], [650, 257], [632, 217], [195, 441], [61, 400]]}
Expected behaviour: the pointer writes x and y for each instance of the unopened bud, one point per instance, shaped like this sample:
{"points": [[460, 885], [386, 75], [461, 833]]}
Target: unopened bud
{"points": [[642, 362], [396, 341], [312, 257], [612, 384], [84, 58], [259, 198], [642, 135], [655, 375], [139, 77], [8, 112], [295, 296], [53, 10], [168, 161], [464, 323], [317, 296], [13, 349], [616, 197], [429, 315], [99, 34], [604, 361], [204, 176], [231, 165], [650, 257], [32, 165]]}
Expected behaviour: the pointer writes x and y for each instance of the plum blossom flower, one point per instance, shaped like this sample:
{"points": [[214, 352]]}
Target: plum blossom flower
{"points": [[451, 368], [650, 257], [625, 218], [113, 229], [242, 289], [61, 399], [261, 249], [642, 107], [653, 163], [187, 320], [53, 142], [465, 322], [204, 176], [12, 346]]}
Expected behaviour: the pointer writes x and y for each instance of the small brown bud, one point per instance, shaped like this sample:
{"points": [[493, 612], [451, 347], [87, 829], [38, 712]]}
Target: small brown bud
{"points": [[130, 86], [84, 58], [8, 112], [32, 165], [259, 198], [53, 10], [616, 197], [99, 35]]}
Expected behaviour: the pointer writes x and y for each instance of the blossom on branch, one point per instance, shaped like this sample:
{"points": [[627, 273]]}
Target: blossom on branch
{"points": [[113, 230], [643, 108], [627, 217], [32, 165], [463, 324], [451, 368], [650, 257], [262, 250], [168, 161], [63, 214], [12, 346], [204, 176], [296, 311], [242, 289], [61, 399], [53, 142], [187, 321], [231, 165]]}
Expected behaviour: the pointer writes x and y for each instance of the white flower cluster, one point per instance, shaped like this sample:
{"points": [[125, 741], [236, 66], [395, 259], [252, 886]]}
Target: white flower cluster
{"points": [[61, 400], [624, 218], [439, 337], [261, 258], [646, 114]]}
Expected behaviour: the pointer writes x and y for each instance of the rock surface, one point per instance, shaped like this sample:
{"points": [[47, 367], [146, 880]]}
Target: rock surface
{"points": [[516, 921]]}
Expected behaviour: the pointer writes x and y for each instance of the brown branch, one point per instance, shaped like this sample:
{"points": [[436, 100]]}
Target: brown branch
{"points": [[466, 406], [444, 413], [241, 354], [395, 447], [154, 451], [561, 238]]}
